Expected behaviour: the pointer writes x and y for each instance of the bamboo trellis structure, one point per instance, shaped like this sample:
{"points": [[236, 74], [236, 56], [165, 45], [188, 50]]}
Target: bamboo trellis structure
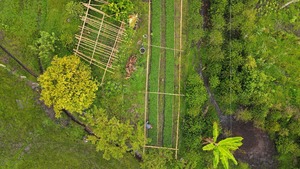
{"points": [[99, 38]]}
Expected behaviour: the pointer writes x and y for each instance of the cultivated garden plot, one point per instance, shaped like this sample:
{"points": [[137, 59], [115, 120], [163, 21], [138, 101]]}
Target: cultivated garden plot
{"points": [[163, 81]]}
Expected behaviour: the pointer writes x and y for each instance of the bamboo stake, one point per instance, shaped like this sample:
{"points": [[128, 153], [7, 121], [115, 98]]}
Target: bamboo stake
{"points": [[90, 50], [290, 2], [95, 61], [92, 8], [86, 13], [87, 57], [168, 148], [179, 86], [104, 51], [91, 41], [97, 39], [147, 74], [110, 56], [101, 45], [94, 31], [104, 33], [96, 22], [106, 22]]}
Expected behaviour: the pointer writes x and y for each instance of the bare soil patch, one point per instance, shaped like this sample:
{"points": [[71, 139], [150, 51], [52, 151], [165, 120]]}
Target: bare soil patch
{"points": [[258, 150]]}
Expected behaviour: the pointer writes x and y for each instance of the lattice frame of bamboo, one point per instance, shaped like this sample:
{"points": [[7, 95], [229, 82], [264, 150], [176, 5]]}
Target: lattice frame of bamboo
{"points": [[99, 38]]}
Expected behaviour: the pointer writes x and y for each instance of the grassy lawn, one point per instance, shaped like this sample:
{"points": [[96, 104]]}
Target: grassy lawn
{"points": [[21, 22], [29, 139]]}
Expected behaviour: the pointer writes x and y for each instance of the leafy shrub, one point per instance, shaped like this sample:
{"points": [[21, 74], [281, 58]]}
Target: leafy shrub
{"points": [[68, 84]]}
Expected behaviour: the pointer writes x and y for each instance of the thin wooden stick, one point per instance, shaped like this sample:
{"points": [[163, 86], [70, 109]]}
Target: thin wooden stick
{"points": [[106, 22], [102, 36], [168, 148], [179, 86], [101, 53], [96, 24], [98, 62], [290, 2], [89, 44], [171, 94], [104, 33], [147, 74], [100, 46], [92, 8], [97, 39], [106, 46], [79, 40], [166, 48], [113, 50]]}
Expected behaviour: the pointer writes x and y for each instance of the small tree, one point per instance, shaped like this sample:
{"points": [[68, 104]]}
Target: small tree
{"points": [[44, 46], [222, 149], [68, 84], [112, 136]]}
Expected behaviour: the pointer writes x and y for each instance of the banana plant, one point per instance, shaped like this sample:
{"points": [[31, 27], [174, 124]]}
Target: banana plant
{"points": [[223, 149]]}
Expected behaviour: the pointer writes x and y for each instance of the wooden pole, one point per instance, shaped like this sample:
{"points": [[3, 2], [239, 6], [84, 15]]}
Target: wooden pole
{"points": [[167, 148], [97, 39], [110, 57], [147, 74], [79, 40], [179, 86]]}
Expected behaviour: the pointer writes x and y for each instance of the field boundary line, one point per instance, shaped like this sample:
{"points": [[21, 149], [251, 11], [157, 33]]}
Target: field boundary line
{"points": [[147, 74], [168, 148], [179, 87]]}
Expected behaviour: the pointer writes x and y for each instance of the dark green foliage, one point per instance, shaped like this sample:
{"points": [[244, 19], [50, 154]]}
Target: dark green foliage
{"points": [[113, 137], [196, 94], [251, 65], [44, 47], [120, 9], [157, 159]]}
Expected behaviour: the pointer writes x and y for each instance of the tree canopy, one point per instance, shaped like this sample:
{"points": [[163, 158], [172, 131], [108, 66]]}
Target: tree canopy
{"points": [[67, 84], [113, 137]]}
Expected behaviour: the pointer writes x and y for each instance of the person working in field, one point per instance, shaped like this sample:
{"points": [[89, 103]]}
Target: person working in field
{"points": [[148, 125]]}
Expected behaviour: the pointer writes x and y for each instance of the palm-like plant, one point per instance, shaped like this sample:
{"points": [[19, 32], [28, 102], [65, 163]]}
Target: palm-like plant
{"points": [[223, 149]]}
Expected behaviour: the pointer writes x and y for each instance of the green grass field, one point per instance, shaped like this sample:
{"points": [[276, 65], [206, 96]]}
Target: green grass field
{"points": [[30, 139], [21, 22]]}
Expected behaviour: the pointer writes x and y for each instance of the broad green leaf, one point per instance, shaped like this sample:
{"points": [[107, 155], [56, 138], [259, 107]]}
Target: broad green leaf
{"points": [[208, 147], [216, 158], [232, 143], [215, 131], [227, 154], [224, 161]]}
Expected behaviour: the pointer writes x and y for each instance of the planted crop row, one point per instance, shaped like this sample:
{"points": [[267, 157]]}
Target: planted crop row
{"points": [[154, 68], [170, 62]]}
